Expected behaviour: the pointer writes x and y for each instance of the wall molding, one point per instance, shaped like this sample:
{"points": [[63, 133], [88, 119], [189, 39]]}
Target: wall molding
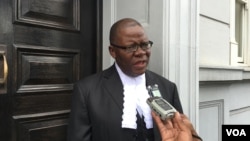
{"points": [[181, 54], [239, 110], [219, 104], [223, 73]]}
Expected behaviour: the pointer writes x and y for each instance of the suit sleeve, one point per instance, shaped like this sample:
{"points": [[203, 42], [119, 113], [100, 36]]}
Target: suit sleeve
{"points": [[79, 128], [177, 102]]}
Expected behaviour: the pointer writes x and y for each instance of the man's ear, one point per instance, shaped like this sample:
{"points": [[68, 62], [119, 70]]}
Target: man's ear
{"points": [[112, 52]]}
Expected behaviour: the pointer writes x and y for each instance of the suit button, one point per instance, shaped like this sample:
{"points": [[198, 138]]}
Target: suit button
{"points": [[135, 136]]}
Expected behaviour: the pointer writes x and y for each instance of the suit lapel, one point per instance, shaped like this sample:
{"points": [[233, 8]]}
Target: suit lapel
{"points": [[150, 80], [114, 86]]}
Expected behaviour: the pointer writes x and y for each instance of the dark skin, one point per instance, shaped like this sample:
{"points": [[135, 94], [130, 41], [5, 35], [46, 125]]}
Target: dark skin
{"points": [[187, 122], [173, 129], [133, 63], [177, 129]]}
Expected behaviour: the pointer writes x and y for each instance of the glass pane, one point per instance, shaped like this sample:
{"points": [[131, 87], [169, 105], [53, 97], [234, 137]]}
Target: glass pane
{"points": [[238, 26]]}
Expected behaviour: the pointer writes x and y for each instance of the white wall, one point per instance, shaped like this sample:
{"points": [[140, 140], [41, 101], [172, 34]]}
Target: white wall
{"points": [[214, 32], [224, 89], [223, 103]]}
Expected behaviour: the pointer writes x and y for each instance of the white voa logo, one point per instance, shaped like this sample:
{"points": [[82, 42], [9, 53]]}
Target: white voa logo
{"points": [[236, 132]]}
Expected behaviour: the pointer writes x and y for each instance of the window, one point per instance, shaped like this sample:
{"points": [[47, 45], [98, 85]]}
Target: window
{"points": [[241, 30]]}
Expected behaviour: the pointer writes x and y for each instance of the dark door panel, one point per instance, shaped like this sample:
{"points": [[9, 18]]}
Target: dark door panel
{"points": [[36, 103], [63, 14], [40, 68], [41, 127], [47, 46]]}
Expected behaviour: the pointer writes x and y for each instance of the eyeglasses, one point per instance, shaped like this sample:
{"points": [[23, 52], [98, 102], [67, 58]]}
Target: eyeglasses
{"points": [[132, 48]]}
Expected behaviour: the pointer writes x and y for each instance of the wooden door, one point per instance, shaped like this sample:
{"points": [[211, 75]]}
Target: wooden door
{"points": [[45, 46]]}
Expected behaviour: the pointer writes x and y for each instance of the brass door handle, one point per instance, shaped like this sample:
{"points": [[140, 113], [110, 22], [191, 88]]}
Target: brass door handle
{"points": [[5, 69]]}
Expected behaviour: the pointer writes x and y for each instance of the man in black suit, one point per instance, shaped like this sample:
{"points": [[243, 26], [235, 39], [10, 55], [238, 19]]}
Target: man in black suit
{"points": [[111, 105]]}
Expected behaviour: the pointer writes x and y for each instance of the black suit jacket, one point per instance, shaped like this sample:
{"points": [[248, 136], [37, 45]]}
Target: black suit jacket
{"points": [[97, 106]]}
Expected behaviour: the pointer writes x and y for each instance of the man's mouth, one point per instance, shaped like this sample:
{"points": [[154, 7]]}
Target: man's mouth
{"points": [[140, 64]]}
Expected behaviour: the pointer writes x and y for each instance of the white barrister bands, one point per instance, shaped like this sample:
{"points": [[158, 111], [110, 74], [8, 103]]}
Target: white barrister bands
{"points": [[135, 96]]}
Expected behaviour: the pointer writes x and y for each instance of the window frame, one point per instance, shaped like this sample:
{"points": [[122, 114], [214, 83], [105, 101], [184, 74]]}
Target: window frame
{"points": [[243, 34]]}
